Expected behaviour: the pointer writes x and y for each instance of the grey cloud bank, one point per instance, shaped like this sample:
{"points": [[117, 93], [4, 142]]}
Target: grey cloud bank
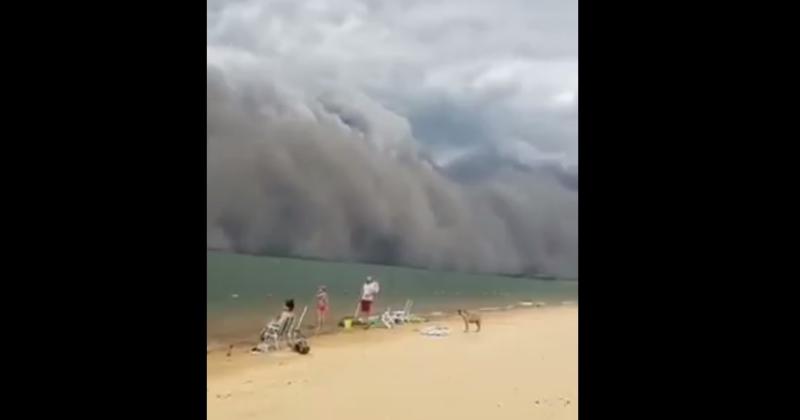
{"points": [[365, 131]]}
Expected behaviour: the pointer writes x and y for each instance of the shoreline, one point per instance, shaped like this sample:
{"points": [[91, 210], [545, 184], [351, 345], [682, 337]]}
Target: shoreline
{"points": [[241, 359], [221, 345]]}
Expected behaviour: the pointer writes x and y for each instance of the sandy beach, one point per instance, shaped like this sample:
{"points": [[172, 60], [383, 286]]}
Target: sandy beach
{"points": [[523, 365]]}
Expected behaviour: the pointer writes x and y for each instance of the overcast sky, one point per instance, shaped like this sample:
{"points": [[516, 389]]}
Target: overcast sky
{"points": [[440, 105], [466, 74]]}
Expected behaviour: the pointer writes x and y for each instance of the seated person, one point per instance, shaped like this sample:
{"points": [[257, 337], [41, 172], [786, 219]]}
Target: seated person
{"points": [[288, 312], [276, 325]]}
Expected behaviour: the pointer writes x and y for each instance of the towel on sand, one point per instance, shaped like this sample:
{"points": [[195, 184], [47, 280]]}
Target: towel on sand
{"points": [[435, 331]]}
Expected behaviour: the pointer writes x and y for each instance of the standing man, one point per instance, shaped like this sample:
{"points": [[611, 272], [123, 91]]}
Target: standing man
{"points": [[369, 291]]}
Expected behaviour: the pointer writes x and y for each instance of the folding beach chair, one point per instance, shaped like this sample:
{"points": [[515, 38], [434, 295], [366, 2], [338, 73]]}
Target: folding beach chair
{"points": [[295, 338], [403, 316], [386, 318], [274, 333], [287, 332], [390, 318]]}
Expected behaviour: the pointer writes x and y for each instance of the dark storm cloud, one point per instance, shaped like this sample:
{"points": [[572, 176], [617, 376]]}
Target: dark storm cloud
{"points": [[431, 133], [290, 178]]}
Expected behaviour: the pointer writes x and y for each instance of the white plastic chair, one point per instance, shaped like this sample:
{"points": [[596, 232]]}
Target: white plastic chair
{"points": [[403, 316]]}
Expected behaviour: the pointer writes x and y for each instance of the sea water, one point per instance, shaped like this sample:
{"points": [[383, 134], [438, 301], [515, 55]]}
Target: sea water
{"points": [[244, 292]]}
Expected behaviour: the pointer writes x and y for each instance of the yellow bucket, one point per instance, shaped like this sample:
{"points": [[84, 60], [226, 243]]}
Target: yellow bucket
{"points": [[348, 323]]}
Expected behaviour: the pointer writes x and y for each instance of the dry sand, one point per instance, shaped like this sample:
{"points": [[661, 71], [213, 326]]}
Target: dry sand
{"points": [[523, 365]]}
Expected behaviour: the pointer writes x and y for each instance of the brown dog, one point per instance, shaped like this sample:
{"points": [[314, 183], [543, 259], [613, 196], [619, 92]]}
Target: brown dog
{"points": [[470, 318]]}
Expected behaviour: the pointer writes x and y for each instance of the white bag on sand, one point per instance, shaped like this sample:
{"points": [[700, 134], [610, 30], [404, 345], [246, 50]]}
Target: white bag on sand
{"points": [[435, 331]]}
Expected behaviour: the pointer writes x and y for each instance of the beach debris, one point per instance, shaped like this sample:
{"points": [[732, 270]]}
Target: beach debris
{"points": [[301, 347], [525, 303], [342, 321], [539, 304], [288, 382], [352, 321], [435, 331], [416, 319], [536, 402], [230, 349], [260, 348]]}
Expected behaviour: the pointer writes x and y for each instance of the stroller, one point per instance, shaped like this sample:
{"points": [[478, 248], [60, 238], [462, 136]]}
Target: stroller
{"points": [[288, 331]]}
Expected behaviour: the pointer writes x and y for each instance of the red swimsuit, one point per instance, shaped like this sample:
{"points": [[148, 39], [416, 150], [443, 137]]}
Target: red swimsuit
{"points": [[322, 302]]}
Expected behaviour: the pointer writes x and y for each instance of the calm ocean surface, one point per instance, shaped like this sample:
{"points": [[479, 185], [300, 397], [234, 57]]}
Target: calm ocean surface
{"points": [[243, 291]]}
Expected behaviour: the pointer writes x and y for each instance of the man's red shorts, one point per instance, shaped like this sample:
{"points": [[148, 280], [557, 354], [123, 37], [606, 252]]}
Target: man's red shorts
{"points": [[366, 305]]}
